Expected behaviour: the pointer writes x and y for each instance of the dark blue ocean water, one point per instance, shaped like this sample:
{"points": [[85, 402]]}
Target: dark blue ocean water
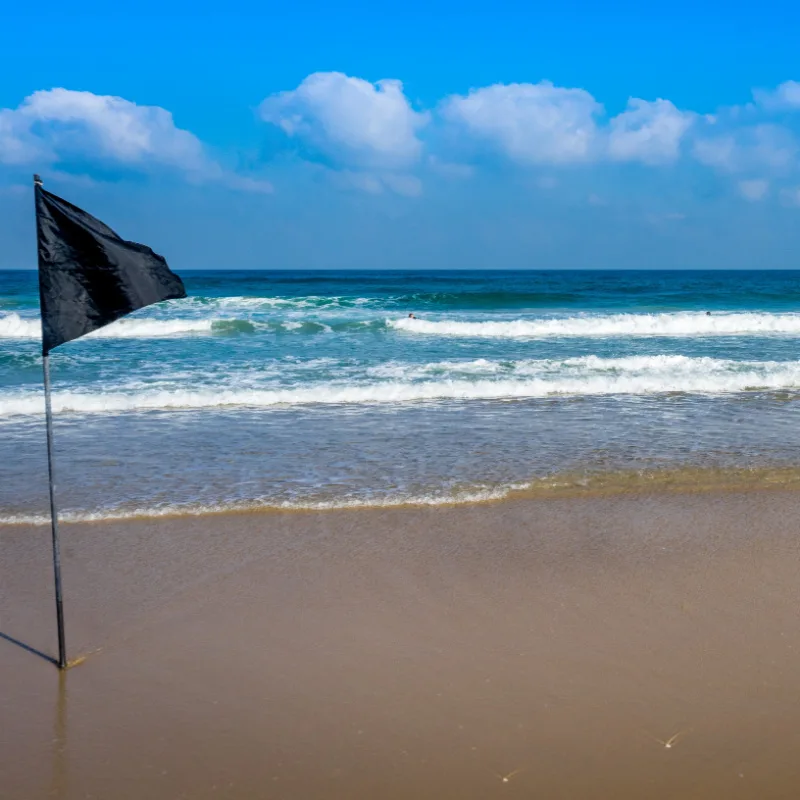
{"points": [[303, 388]]}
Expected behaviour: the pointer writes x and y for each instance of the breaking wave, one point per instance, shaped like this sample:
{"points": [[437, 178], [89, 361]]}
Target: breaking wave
{"points": [[682, 324], [440, 381], [687, 323], [12, 326]]}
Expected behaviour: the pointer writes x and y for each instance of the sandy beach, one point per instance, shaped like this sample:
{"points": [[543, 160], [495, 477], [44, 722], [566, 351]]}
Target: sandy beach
{"points": [[535, 647]]}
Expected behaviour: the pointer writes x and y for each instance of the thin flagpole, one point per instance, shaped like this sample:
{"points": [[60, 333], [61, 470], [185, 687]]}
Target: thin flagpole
{"points": [[62, 646]]}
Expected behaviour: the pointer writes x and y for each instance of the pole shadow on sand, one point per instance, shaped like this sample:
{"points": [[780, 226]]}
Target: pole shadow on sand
{"points": [[28, 648]]}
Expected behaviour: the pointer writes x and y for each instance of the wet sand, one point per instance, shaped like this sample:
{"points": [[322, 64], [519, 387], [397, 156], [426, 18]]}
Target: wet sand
{"points": [[412, 653]]}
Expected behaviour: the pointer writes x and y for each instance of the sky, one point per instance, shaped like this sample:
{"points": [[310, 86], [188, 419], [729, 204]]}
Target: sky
{"points": [[405, 135]]}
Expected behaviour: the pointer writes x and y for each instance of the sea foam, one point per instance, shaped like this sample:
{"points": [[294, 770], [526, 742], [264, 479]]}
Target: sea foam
{"points": [[12, 326], [683, 323], [440, 381], [461, 497]]}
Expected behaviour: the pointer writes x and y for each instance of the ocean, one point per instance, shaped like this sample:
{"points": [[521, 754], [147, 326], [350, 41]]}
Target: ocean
{"points": [[316, 389]]}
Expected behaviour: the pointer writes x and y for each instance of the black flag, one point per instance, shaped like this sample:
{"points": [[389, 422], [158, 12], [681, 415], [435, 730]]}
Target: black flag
{"points": [[88, 276]]}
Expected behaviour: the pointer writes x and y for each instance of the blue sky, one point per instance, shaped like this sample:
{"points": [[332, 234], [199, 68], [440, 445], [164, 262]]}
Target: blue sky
{"points": [[435, 134]]}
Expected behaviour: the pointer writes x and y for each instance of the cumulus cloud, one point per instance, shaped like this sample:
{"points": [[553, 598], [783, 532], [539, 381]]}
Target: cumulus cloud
{"points": [[531, 123], [350, 122], [785, 96], [61, 125], [16, 144], [650, 132], [755, 189], [546, 124], [753, 147], [112, 127], [57, 123], [369, 134], [716, 151]]}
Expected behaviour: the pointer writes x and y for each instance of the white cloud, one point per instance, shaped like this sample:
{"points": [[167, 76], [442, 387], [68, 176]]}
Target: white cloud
{"points": [[368, 136], [716, 151], [59, 126], [650, 132], [530, 123], [351, 122], [763, 146], [755, 189], [546, 124], [16, 144], [774, 146], [112, 128], [785, 96]]}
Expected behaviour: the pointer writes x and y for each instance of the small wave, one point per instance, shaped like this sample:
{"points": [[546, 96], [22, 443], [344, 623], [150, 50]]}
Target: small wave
{"points": [[232, 327], [442, 381], [461, 497], [12, 326], [687, 478], [153, 328], [676, 324]]}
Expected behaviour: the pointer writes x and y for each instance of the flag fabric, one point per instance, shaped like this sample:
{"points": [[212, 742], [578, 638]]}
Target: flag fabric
{"points": [[89, 276]]}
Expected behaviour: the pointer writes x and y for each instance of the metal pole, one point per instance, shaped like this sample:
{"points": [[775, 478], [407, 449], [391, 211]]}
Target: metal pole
{"points": [[62, 645]]}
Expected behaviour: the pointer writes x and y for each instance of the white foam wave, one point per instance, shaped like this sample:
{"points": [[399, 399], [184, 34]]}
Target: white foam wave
{"points": [[583, 376], [12, 326], [669, 370], [467, 496], [683, 323], [152, 328]]}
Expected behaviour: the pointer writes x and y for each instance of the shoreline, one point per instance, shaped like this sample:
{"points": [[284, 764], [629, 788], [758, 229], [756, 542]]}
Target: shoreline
{"points": [[566, 485]]}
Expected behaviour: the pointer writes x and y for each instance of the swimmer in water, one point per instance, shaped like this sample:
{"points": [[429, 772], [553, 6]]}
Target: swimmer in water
{"points": [[411, 316]]}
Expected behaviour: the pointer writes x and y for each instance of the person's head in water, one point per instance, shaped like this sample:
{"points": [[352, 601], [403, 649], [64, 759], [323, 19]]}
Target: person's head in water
{"points": [[411, 316], [708, 313]]}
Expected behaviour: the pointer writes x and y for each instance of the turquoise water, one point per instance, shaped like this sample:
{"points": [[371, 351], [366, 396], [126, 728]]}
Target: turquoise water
{"points": [[307, 388]]}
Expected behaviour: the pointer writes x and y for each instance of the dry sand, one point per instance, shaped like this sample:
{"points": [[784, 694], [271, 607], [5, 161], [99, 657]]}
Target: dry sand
{"points": [[412, 653]]}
